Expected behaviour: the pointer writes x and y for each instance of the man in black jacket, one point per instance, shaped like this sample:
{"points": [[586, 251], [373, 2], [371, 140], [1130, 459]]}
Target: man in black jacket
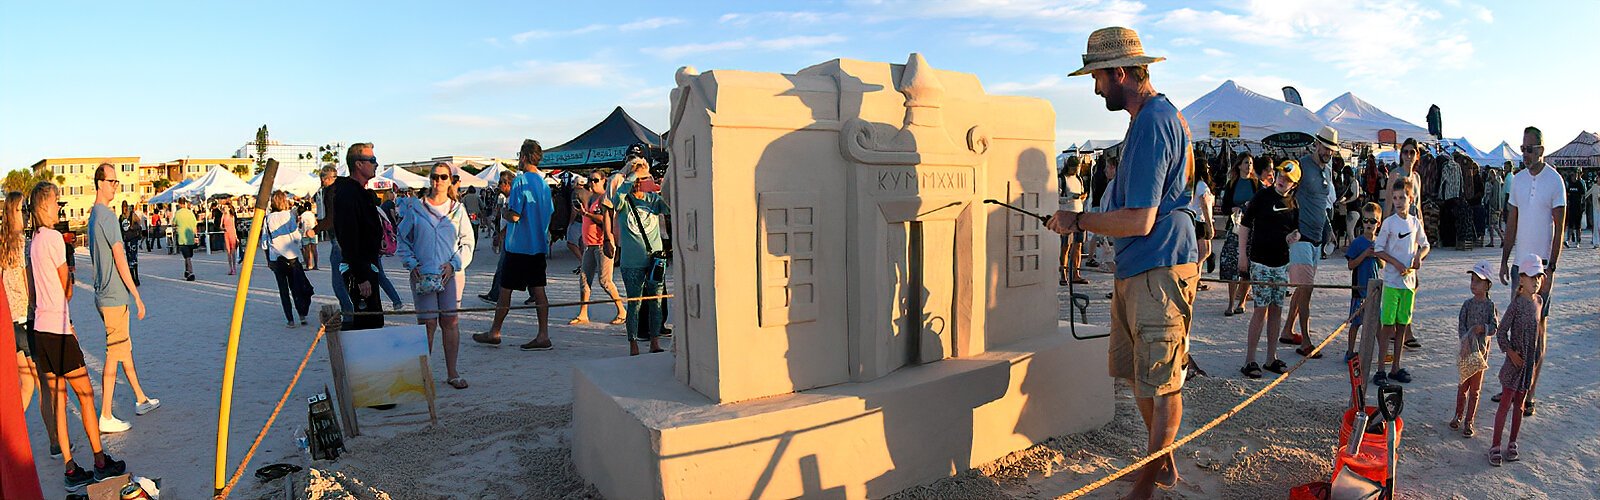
{"points": [[354, 212]]}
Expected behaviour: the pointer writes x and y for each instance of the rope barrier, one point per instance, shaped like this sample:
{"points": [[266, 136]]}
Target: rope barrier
{"points": [[1216, 421], [404, 312], [272, 418], [1249, 282]]}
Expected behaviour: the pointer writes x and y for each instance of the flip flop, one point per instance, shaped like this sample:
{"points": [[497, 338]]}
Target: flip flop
{"points": [[620, 320], [458, 383], [1303, 351], [653, 351], [578, 321]]}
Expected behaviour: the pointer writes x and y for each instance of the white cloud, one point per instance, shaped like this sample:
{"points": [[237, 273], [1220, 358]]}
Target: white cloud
{"points": [[1046, 84], [537, 73], [1216, 53], [640, 25], [1047, 15], [1378, 40], [1482, 13], [780, 17], [1006, 41], [747, 43], [475, 121]]}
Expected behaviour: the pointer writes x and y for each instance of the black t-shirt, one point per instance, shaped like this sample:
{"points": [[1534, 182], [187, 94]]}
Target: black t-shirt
{"points": [[1270, 222]]}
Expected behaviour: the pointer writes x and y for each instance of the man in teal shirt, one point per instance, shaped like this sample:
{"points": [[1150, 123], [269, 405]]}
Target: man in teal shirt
{"points": [[527, 244], [639, 216]]}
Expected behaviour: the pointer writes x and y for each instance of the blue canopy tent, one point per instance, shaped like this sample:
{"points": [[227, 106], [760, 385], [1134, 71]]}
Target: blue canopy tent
{"points": [[603, 145]]}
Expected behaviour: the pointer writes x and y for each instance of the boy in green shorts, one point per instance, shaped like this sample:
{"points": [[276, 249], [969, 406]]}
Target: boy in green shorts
{"points": [[1402, 245]]}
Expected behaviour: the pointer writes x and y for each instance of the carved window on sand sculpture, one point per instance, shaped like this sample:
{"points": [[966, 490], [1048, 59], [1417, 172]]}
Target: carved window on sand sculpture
{"points": [[686, 166], [787, 254], [1024, 238]]}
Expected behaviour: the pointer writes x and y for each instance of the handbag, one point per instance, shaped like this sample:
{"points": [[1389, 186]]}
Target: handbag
{"points": [[658, 259]]}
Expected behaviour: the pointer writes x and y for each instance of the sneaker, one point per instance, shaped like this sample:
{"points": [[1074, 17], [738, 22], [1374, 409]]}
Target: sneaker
{"points": [[148, 406], [488, 298], [112, 424], [536, 345], [113, 468], [398, 305], [1380, 379], [302, 320], [289, 324], [188, 276], [1401, 376], [528, 302], [77, 478], [485, 338]]}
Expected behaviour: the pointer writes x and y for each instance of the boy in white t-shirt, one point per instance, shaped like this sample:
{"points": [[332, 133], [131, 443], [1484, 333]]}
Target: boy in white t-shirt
{"points": [[1402, 244]]}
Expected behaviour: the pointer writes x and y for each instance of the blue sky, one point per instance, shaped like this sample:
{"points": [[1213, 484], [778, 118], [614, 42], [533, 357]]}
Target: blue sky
{"points": [[164, 80]]}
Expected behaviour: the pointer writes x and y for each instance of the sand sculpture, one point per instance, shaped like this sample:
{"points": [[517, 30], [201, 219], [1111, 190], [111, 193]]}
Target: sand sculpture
{"points": [[852, 319]]}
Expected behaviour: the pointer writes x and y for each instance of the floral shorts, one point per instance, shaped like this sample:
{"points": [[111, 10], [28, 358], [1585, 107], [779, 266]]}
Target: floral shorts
{"points": [[1267, 295]]}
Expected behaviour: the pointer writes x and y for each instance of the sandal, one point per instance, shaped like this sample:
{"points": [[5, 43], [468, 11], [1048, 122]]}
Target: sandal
{"points": [[578, 321], [1494, 456], [1455, 423], [1302, 351], [1251, 370], [1511, 452], [458, 382], [1466, 430], [1277, 366], [619, 320], [1238, 310], [656, 350]]}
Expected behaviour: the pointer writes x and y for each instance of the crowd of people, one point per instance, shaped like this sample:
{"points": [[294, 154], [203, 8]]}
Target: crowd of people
{"points": [[617, 219], [1147, 215]]}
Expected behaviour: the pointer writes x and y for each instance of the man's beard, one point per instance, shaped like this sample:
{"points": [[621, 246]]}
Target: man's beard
{"points": [[1115, 102]]}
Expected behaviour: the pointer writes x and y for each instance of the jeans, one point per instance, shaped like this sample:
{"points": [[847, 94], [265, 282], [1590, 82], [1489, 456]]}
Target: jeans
{"points": [[335, 257], [292, 287], [653, 311], [383, 282]]}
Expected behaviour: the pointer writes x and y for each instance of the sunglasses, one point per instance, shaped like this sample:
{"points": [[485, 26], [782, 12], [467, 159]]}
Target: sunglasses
{"points": [[1529, 149], [1369, 221], [372, 159], [444, 177]]}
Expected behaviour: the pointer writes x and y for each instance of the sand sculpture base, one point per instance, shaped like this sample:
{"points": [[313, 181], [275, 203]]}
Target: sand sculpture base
{"points": [[642, 434]]}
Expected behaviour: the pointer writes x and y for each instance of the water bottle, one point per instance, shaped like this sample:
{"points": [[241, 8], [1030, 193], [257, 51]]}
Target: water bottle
{"points": [[301, 442]]}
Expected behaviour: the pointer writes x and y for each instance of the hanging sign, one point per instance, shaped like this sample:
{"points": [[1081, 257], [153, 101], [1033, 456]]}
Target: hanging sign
{"points": [[1225, 130]]}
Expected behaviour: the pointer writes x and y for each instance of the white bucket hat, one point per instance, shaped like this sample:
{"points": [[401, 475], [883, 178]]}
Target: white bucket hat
{"points": [[1114, 47]]}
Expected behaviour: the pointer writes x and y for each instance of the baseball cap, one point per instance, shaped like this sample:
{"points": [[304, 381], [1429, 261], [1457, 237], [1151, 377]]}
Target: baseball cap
{"points": [[1482, 270], [1291, 169], [1530, 265]]}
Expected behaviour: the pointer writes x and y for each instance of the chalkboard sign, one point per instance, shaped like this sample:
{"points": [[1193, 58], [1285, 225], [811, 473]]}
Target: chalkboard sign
{"points": [[325, 439]]}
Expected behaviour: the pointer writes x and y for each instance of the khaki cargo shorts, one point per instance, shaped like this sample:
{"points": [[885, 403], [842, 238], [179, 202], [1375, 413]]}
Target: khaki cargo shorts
{"points": [[116, 319], [1150, 314]]}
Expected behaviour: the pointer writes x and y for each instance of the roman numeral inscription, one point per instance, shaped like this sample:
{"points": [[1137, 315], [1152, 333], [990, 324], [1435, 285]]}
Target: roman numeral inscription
{"points": [[915, 181]]}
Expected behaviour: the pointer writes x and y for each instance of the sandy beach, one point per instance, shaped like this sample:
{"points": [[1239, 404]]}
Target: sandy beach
{"points": [[508, 435]]}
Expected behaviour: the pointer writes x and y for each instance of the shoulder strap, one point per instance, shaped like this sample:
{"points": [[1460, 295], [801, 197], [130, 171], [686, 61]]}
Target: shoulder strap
{"points": [[634, 207]]}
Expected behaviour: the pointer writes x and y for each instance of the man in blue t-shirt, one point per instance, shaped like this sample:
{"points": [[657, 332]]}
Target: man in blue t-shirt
{"points": [[528, 209], [1156, 252], [1312, 198]]}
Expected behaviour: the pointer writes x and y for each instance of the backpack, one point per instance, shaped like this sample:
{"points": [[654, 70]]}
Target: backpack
{"points": [[390, 242]]}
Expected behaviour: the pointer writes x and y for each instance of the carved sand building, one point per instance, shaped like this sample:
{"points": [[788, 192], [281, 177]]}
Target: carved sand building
{"points": [[852, 318]]}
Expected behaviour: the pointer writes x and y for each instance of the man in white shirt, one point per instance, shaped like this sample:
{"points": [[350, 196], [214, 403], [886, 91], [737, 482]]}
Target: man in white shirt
{"points": [[1536, 216]]}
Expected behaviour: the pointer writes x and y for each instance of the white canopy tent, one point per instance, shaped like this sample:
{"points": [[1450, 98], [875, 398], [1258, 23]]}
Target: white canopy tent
{"points": [[1504, 153], [404, 179], [1465, 146], [1358, 121], [167, 195], [217, 182], [1258, 115], [491, 174], [1093, 145], [289, 181]]}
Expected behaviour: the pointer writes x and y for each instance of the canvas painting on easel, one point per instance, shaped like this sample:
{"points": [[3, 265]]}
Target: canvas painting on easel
{"points": [[387, 365]]}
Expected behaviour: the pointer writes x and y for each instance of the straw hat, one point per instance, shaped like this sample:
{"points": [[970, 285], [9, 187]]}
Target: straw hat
{"points": [[1328, 136], [1114, 47]]}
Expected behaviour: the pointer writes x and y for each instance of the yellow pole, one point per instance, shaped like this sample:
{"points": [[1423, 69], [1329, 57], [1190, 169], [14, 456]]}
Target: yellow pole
{"points": [[263, 199]]}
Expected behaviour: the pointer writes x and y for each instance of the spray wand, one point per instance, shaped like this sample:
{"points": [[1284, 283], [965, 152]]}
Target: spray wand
{"points": [[1072, 322]]}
